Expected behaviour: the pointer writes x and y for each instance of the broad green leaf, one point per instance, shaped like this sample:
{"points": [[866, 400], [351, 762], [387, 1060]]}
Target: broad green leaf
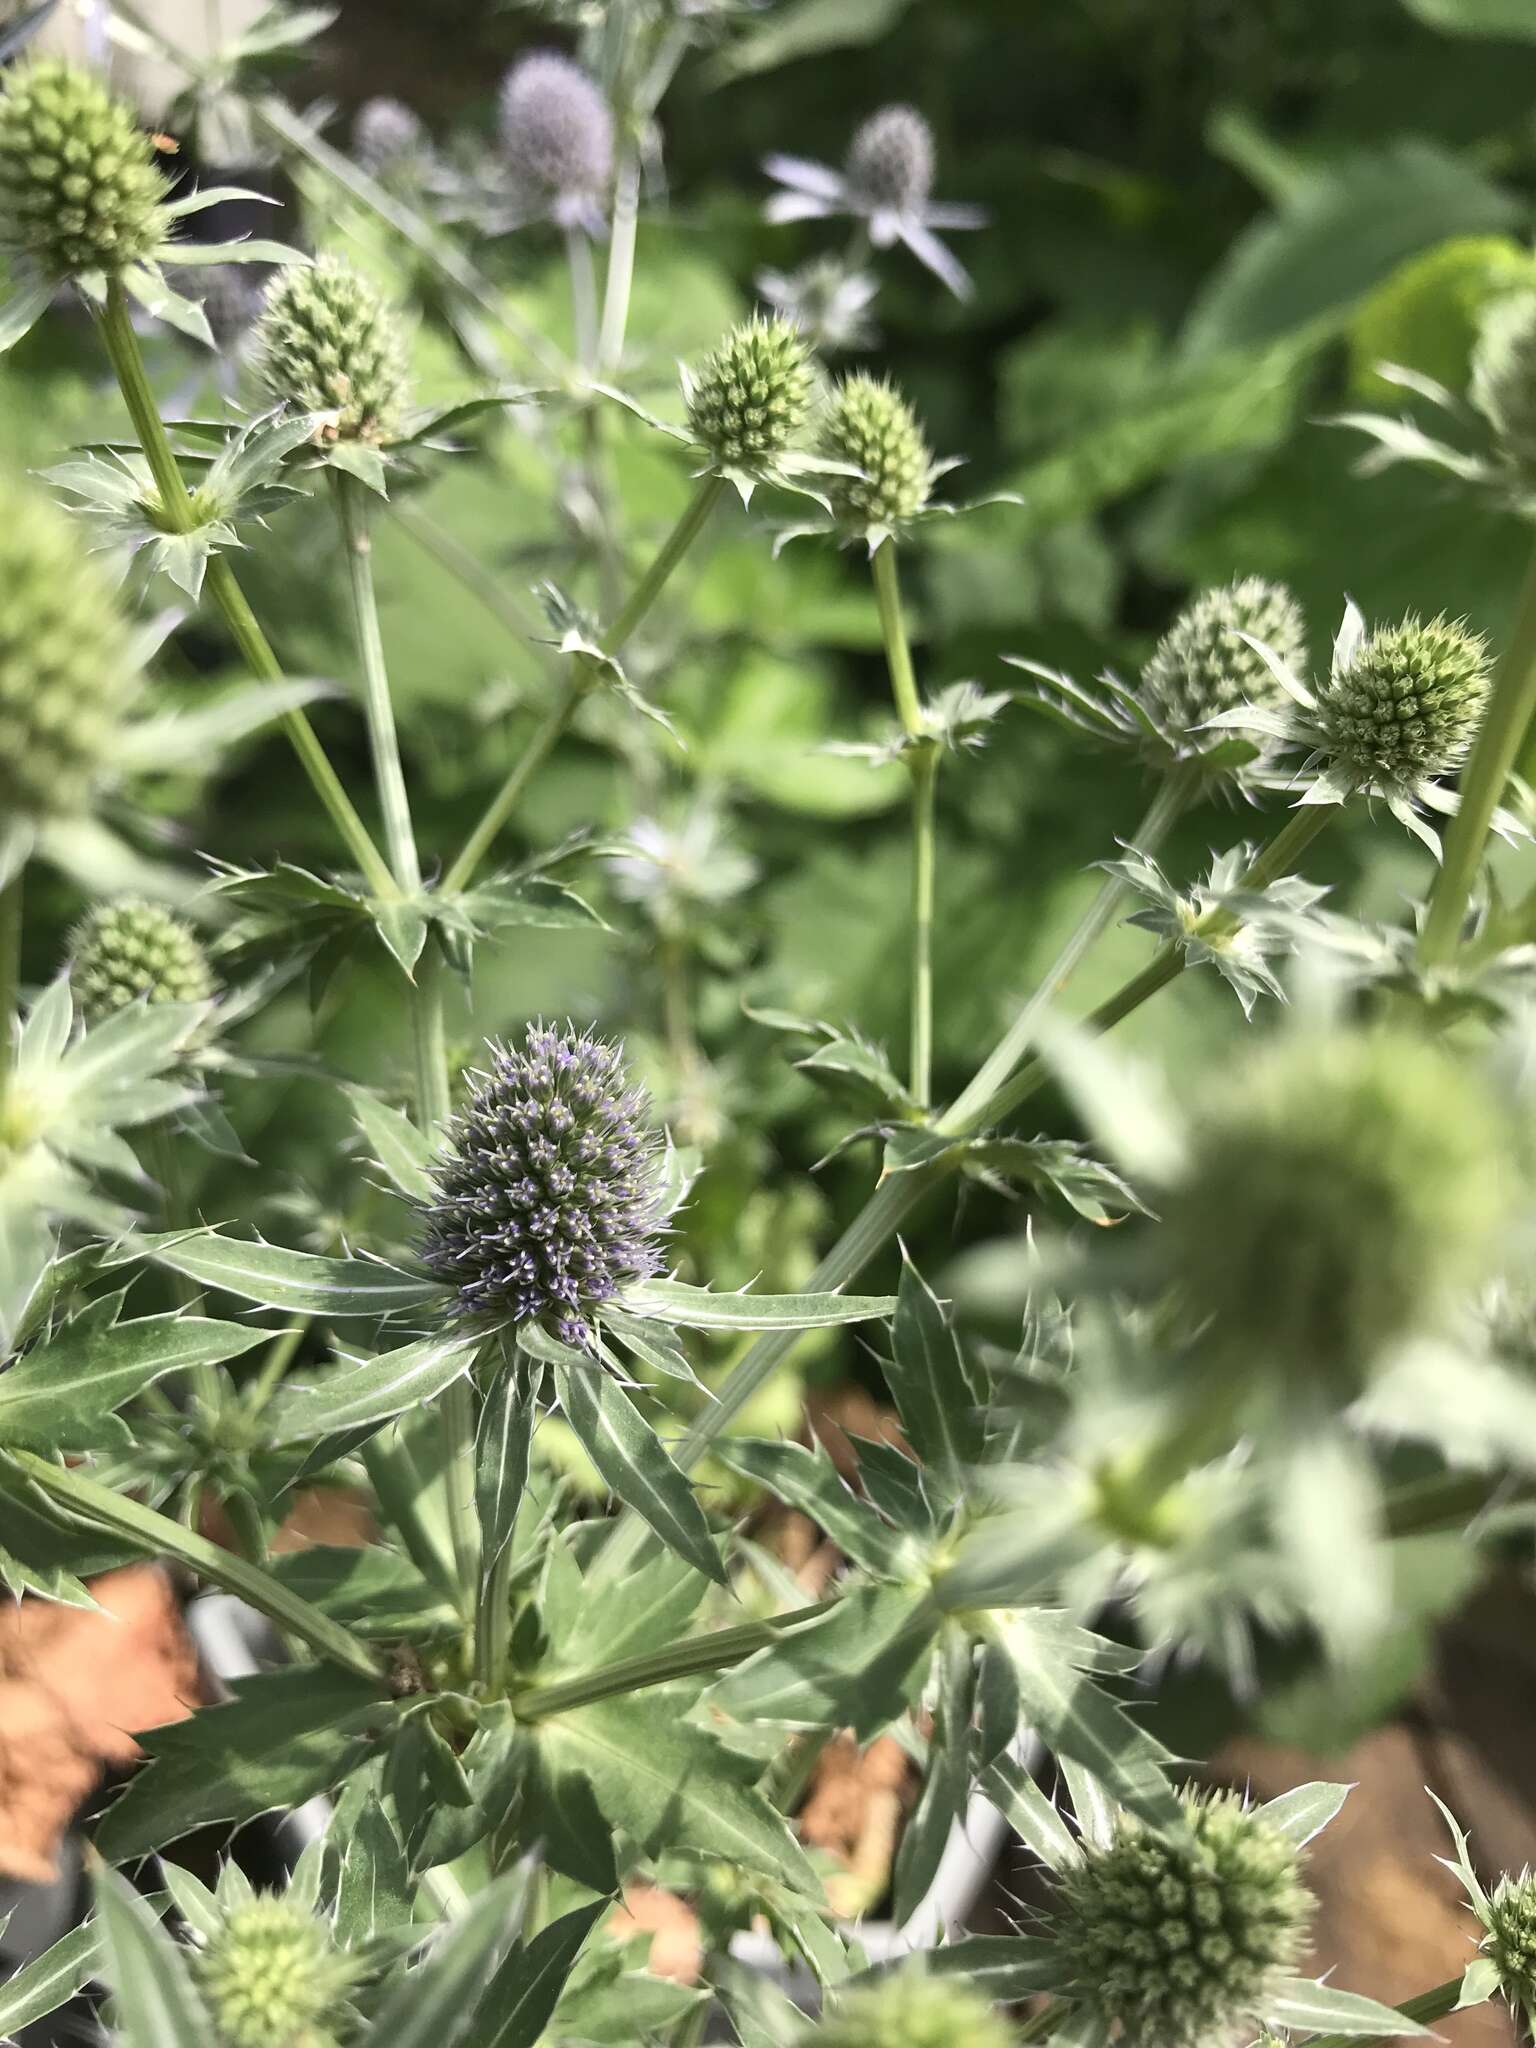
{"points": [[650, 1606], [929, 1383], [763, 2016], [1310, 2008], [374, 1891], [1480, 1981], [434, 2004], [300, 1282], [376, 1592], [285, 1736], [400, 1149], [1512, 19], [371, 1390], [634, 1464], [517, 2004], [698, 1308], [1034, 1817], [858, 1668], [502, 1439], [609, 2005], [808, 1480], [1004, 1968], [154, 1999], [1304, 1811], [427, 1784], [49, 1980], [946, 1781], [59, 1397]]}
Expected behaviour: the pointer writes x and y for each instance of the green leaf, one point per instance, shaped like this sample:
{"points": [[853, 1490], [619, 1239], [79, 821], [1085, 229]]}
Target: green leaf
{"points": [[1036, 1819], [1304, 1811], [375, 1591], [502, 1439], [1309, 2008], [60, 1397], [520, 1999], [946, 1782], [857, 1668], [634, 1463], [759, 2011], [374, 1892], [808, 1480], [371, 1390], [400, 1149], [155, 2001], [1003, 1968], [435, 2002], [301, 1283], [698, 1308], [21, 309], [285, 1736], [647, 1608], [49, 1980], [1498, 18], [935, 1398], [609, 2005], [804, 28]]}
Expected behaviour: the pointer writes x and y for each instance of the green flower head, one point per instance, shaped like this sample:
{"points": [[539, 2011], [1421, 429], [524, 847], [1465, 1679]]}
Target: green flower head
{"points": [[1403, 704], [1510, 1941], [1204, 664], [134, 951], [910, 2009], [748, 401], [79, 189], [870, 426], [1179, 1938], [271, 1976], [326, 342]]}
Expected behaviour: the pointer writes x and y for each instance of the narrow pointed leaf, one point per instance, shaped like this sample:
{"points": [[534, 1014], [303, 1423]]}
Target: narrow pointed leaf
{"points": [[1034, 1817], [49, 1980], [858, 1668], [300, 1282], [155, 2001], [61, 1395], [697, 1308], [946, 1783], [808, 1480], [1002, 1967], [1304, 1811], [400, 1149], [520, 1999], [934, 1396], [502, 1442], [434, 2004], [1310, 2008], [370, 1391]]}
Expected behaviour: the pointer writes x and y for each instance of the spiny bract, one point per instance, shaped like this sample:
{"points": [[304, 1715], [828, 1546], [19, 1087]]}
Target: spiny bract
{"points": [[270, 1976], [748, 400], [1511, 1938], [556, 133], [79, 190], [870, 425], [910, 2009], [134, 951], [1203, 665], [326, 342], [549, 1192], [890, 160], [1341, 1192], [1180, 1937], [1405, 705], [1504, 379], [67, 673]]}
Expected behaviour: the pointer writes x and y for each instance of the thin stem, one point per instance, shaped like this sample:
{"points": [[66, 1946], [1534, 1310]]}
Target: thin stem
{"points": [[276, 1363], [898, 649], [619, 281], [717, 1651], [1503, 732], [493, 1621], [10, 975], [677, 543], [159, 1535], [578, 256], [1044, 2023], [122, 346], [1428, 2007], [1171, 798], [921, 757], [352, 509]]}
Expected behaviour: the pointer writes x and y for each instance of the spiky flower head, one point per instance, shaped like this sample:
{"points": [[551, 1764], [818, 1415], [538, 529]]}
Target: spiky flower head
{"points": [[549, 1194], [870, 425], [557, 137], [134, 951], [1510, 1941], [1179, 1937], [67, 670], [748, 401], [1204, 665], [326, 342], [1404, 703], [1504, 379], [79, 190], [386, 133], [890, 160], [910, 2009], [271, 1975], [1340, 1192]]}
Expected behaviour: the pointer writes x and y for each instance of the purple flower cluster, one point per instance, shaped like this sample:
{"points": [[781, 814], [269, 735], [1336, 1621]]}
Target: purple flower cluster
{"points": [[549, 1192]]}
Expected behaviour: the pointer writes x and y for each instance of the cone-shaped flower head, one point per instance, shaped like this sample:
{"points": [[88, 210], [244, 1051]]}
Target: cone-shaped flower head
{"points": [[271, 1976], [1405, 703], [1203, 665], [326, 342], [79, 190], [870, 425], [386, 133], [748, 401], [1180, 1937], [890, 160], [1510, 1919], [557, 137], [133, 951], [549, 1191], [1504, 379], [1340, 1192], [67, 668], [910, 2009]]}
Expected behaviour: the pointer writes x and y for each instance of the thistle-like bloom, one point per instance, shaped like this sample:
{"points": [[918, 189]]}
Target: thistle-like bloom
{"points": [[826, 300], [79, 190], [749, 400], [910, 2009], [68, 672], [327, 343], [271, 1976], [134, 951], [870, 427], [549, 1195], [1181, 1938], [557, 139], [886, 183], [388, 137]]}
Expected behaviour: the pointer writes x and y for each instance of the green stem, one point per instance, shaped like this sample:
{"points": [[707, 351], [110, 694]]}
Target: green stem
{"points": [[276, 1363], [10, 975], [578, 256], [122, 346], [620, 277], [1044, 2023], [690, 525], [1500, 738], [158, 1535], [1428, 2007], [351, 497], [898, 649], [717, 1651], [921, 757]]}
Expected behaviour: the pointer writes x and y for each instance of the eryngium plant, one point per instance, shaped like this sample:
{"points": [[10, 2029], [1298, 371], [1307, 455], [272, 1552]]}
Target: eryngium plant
{"points": [[327, 343], [133, 951], [557, 139], [549, 1193], [79, 190], [271, 1977], [749, 400], [910, 2009], [886, 468], [1206, 662]]}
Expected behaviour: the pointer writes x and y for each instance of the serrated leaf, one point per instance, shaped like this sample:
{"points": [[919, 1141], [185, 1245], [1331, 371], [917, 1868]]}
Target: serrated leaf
{"points": [[434, 2004], [50, 1980], [59, 1397], [1034, 1817], [374, 1891], [374, 1591], [400, 1149], [302, 1283], [520, 1999], [808, 1480], [155, 2001], [367, 1392], [858, 1667], [946, 1781], [698, 1308], [934, 1396]]}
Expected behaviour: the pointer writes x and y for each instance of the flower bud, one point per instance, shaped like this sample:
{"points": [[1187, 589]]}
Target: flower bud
{"points": [[1203, 665], [385, 133], [326, 342], [1406, 703], [871, 426], [556, 135], [79, 190], [67, 673], [1341, 1192], [1504, 379], [890, 161], [749, 399], [548, 1198], [134, 951], [910, 2009], [270, 1977], [1510, 1941], [1180, 1937]]}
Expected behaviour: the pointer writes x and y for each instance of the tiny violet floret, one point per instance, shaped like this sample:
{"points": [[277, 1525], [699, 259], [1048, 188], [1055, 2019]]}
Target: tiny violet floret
{"points": [[748, 401], [549, 1192], [79, 189], [1204, 664], [871, 427], [557, 139], [911, 2009], [271, 1977], [1178, 1939], [326, 342], [1405, 703]]}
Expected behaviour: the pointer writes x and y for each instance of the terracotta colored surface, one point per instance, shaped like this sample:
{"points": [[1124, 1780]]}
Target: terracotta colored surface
{"points": [[72, 1684], [676, 1945]]}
